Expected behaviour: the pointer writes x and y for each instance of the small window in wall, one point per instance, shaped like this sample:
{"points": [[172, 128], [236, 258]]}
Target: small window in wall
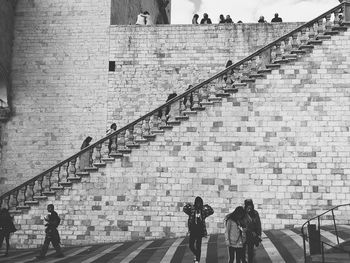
{"points": [[111, 65]]}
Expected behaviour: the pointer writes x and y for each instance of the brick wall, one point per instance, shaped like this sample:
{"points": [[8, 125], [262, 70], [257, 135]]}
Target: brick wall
{"points": [[63, 92], [283, 141]]}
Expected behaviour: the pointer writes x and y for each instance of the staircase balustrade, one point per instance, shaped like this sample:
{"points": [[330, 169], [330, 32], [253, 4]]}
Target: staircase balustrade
{"points": [[283, 50]]}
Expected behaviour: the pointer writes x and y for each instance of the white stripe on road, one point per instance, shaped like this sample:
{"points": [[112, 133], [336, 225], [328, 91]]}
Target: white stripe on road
{"points": [[34, 258], [271, 250], [133, 254], [297, 239], [104, 252], [331, 237], [171, 251], [204, 249], [71, 254]]}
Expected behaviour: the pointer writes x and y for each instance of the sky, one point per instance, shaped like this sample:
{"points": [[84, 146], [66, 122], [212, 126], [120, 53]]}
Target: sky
{"points": [[249, 11]]}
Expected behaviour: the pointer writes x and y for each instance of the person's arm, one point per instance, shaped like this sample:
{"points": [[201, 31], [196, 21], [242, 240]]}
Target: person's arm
{"points": [[207, 210], [258, 223], [187, 209]]}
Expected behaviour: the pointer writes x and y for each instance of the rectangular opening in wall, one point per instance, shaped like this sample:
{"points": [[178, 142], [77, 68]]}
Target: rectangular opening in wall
{"points": [[111, 65]]}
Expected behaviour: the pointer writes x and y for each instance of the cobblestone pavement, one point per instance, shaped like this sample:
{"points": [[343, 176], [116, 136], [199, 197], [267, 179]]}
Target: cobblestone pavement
{"points": [[277, 246]]}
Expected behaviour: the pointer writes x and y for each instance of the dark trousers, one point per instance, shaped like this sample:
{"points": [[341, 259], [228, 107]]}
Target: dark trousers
{"points": [[239, 254], [249, 247], [5, 235], [195, 243], [55, 244]]}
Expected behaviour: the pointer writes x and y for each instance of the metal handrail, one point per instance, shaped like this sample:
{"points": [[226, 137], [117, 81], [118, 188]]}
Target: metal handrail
{"points": [[332, 246], [170, 102], [318, 217]]}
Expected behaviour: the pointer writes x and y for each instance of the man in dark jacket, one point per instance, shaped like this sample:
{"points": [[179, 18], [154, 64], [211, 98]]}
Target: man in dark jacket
{"points": [[52, 235], [253, 225]]}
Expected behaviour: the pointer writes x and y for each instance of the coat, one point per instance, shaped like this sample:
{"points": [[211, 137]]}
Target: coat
{"points": [[190, 210], [234, 236]]}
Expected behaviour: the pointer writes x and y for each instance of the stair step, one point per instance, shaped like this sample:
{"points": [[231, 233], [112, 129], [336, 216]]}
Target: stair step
{"points": [[116, 155], [166, 127], [332, 258], [139, 141], [49, 193], [331, 33], [290, 56], [57, 188], [182, 118], [340, 28], [207, 103], [199, 108], [215, 99], [299, 52], [15, 212], [306, 47], [323, 37], [273, 66], [133, 145], [31, 202], [248, 80], [150, 137], [66, 184], [99, 164], [74, 179], [264, 71], [157, 131], [231, 90], [257, 76], [315, 42], [85, 173], [124, 151], [91, 169], [189, 112], [282, 61], [222, 95], [23, 207], [40, 197], [174, 123]]}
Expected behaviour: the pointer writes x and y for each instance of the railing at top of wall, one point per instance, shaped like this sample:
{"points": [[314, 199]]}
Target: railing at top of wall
{"points": [[313, 234], [284, 49]]}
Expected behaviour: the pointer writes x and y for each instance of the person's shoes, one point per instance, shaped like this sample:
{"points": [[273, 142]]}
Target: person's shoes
{"points": [[59, 256], [40, 257]]}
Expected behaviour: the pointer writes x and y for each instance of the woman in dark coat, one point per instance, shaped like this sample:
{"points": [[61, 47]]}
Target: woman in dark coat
{"points": [[85, 157], [6, 228], [197, 214]]}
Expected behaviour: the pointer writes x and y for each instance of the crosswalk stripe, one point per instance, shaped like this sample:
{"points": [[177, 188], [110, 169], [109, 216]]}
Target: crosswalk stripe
{"points": [[102, 253], [271, 250], [76, 252], [204, 249], [345, 226], [133, 254], [34, 258], [171, 251], [18, 254], [331, 237], [297, 239]]}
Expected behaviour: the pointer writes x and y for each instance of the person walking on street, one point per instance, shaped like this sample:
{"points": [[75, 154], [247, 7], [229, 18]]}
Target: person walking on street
{"points": [[253, 223], [197, 213], [6, 228], [51, 233], [235, 235]]}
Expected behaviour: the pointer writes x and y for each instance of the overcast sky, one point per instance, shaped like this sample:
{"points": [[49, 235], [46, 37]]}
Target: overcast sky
{"points": [[249, 11]]}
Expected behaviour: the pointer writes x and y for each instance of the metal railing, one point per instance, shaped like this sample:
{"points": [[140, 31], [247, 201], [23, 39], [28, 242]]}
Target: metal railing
{"points": [[284, 49], [316, 245]]}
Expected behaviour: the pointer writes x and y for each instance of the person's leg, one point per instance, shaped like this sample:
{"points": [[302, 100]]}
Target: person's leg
{"points": [[198, 248], [191, 245], [244, 253], [2, 236], [57, 247], [239, 255], [45, 247], [250, 246], [231, 254], [7, 237]]}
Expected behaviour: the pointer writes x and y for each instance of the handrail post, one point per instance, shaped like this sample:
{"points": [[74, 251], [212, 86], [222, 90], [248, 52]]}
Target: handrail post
{"points": [[346, 10], [304, 242], [322, 251], [335, 226]]}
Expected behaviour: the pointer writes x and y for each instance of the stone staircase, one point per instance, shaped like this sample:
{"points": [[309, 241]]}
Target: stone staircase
{"points": [[261, 66]]}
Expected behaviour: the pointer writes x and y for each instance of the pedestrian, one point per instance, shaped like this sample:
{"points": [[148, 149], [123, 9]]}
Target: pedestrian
{"points": [[276, 18], [235, 235], [228, 63], [221, 19], [6, 228], [148, 18], [51, 233], [167, 110], [205, 19], [84, 159], [253, 223], [141, 19], [262, 19], [190, 96], [195, 19], [112, 129], [228, 19], [197, 213]]}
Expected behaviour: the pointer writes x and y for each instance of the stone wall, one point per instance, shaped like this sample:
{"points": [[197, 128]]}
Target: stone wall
{"points": [[63, 92], [59, 81], [283, 141]]}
